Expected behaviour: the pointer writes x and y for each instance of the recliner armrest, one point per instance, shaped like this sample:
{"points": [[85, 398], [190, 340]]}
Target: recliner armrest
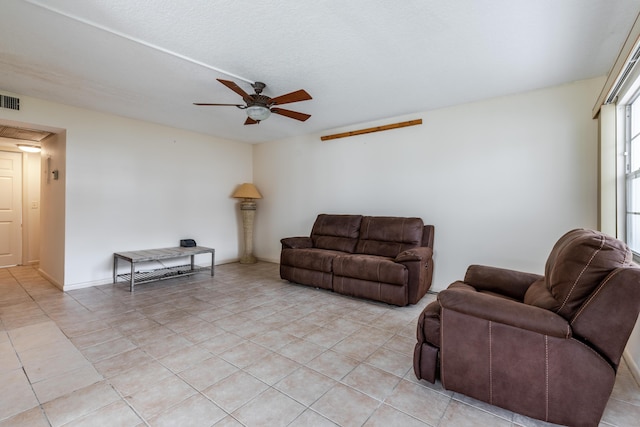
{"points": [[415, 254], [511, 283], [508, 312], [296, 242]]}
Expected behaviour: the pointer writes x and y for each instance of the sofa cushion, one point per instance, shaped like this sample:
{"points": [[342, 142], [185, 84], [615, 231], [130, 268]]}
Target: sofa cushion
{"points": [[372, 268], [377, 291], [578, 263], [388, 236], [309, 259], [336, 232]]}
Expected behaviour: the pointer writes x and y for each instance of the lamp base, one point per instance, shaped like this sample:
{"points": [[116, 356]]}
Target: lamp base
{"points": [[248, 259], [248, 209]]}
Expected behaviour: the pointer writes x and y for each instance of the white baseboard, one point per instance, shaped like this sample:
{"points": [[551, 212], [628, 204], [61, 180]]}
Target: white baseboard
{"points": [[51, 279], [109, 280], [633, 366], [83, 285]]}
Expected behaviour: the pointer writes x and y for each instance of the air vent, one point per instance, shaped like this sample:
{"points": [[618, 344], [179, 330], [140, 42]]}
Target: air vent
{"points": [[9, 102]]}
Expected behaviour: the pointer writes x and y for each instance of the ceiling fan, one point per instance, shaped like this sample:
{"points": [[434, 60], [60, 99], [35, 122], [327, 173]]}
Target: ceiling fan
{"points": [[259, 107]]}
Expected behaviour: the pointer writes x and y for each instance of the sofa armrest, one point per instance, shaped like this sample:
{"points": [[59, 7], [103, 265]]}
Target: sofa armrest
{"points": [[511, 283], [416, 254], [296, 243], [418, 262], [507, 312]]}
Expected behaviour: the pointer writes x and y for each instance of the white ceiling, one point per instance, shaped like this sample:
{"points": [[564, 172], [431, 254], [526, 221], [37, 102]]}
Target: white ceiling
{"points": [[361, 60]]}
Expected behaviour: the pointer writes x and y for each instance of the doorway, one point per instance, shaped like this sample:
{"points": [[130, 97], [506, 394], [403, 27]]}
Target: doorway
{"points": [[20, 176]]}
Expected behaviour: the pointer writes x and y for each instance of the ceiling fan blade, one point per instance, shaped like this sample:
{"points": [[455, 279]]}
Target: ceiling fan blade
{"points": [[299, 95], [237, 89], [291, 114], [250, 121], [229, 105]]}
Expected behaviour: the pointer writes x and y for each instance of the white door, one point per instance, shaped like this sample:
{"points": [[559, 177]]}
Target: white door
{"points": [[10, 208]]}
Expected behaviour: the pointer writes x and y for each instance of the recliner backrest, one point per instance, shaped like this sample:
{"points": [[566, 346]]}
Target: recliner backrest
{"points": [[607, 318], [336, 232], [388, 236], [577, 265]]}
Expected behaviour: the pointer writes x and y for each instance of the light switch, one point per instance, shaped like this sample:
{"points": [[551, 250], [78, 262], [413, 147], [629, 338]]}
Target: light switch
{"points": [[34, 204]]}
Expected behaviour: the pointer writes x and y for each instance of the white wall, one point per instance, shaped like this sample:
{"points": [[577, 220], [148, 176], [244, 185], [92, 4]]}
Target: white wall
{"points": [[134, 185], [52, 210], [500, 179], [632, 351], [489, 175]]}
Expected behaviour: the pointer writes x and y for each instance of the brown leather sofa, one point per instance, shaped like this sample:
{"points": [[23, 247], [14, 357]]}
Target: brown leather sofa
{"points": [[544, 346], [387, 259]]}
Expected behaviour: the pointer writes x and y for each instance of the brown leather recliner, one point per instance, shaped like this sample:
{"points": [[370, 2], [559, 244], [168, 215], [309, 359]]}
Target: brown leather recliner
{"points": [[547, 347]]}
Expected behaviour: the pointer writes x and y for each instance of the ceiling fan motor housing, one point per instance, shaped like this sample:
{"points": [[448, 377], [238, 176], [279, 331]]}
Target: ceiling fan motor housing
{"points": [[260, 100], [258, 87]]}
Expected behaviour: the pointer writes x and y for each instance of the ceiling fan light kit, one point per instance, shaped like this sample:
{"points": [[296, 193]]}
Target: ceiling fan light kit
{"points": [[259, 107], [258, 112]]}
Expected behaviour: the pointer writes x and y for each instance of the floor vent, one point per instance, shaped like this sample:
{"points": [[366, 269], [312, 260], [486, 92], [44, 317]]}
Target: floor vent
{"points": [[9, 102]]}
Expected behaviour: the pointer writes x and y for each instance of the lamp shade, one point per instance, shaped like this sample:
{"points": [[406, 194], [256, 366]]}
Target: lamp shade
{"points": [[247, 191]]}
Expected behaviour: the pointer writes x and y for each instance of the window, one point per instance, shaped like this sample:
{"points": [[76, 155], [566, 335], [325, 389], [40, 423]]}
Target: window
{"points": [[632, 174], [618, 107]]}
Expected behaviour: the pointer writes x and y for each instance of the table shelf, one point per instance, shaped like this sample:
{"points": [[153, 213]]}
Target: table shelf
{"points": [[161, 273]]}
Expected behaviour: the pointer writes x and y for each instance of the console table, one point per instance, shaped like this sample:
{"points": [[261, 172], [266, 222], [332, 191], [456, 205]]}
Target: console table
{"points": [[134, 257]]}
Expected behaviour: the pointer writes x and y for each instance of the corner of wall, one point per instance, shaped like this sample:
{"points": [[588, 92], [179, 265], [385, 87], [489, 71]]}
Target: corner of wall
{"points": [[51, 279]]}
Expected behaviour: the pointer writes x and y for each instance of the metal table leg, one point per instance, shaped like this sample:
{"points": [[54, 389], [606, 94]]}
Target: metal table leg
{"points": [[132, 282]]}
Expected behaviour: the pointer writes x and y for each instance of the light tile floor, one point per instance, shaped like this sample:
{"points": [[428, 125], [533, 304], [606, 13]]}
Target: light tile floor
{"points": [[241, 348]]}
